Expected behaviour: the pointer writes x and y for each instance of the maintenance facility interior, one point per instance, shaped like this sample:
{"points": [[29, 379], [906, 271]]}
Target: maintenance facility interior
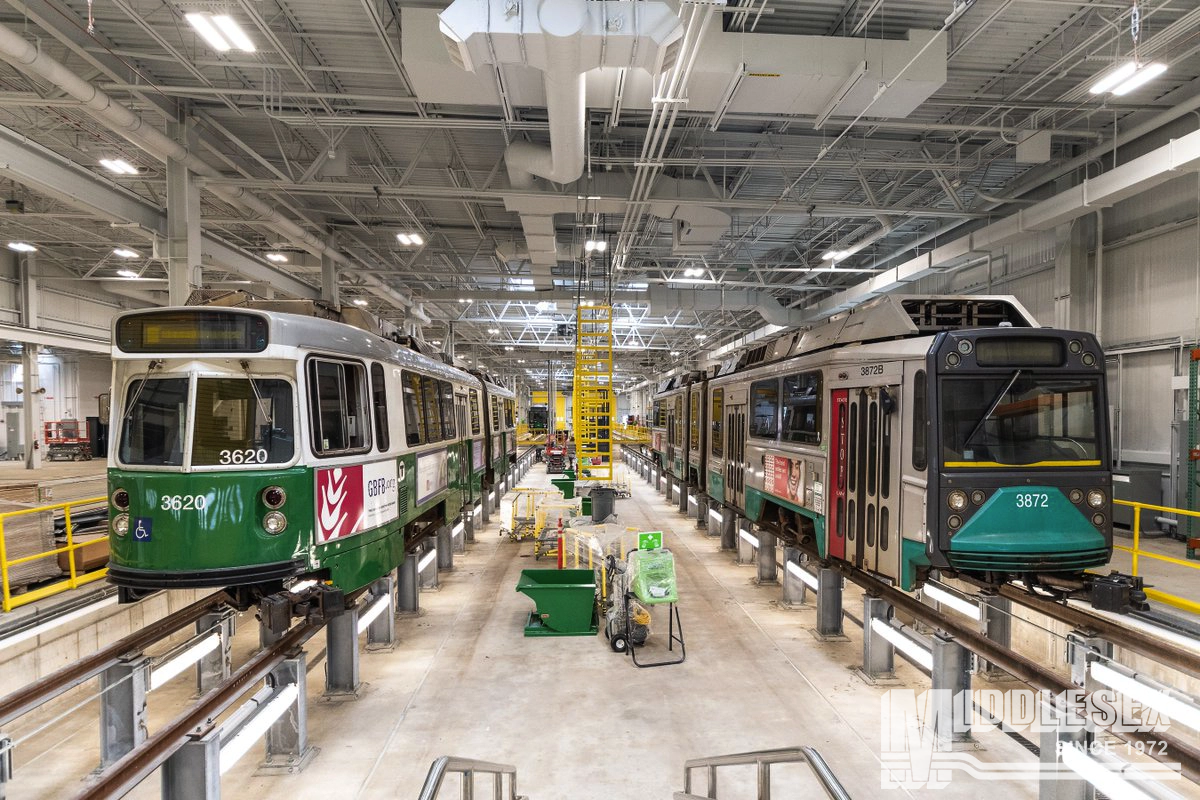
{"points": [[578, 225]]}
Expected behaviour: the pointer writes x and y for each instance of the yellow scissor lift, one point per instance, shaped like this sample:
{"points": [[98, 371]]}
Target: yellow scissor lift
{"points": [[594, 400]]}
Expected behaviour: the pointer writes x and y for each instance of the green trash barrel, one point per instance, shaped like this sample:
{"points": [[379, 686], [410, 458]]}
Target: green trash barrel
{"points": [[565, 601], [564, 485]]}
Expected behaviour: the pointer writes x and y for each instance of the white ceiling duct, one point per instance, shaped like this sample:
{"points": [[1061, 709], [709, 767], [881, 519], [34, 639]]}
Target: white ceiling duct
{"points": [[767, 305], [562, 39]]}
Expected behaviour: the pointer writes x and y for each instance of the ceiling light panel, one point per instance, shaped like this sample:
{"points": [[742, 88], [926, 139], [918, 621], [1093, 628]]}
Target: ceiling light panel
{"points": [[208, 32], [233, 32]]}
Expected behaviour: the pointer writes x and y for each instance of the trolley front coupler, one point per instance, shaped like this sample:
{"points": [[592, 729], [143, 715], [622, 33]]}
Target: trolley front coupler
{"points": [[1118, 593]]}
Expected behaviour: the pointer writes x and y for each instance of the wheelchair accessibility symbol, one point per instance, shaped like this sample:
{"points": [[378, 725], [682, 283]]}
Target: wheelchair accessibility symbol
{"points": [[142, 529]]}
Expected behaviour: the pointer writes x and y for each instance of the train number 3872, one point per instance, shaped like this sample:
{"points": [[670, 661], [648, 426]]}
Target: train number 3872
{"points": [[183, 502], [1033, 500]]}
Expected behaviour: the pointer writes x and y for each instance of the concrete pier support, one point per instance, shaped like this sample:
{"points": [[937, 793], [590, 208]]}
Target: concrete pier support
{"points": [[879, 654], [768, 570]]}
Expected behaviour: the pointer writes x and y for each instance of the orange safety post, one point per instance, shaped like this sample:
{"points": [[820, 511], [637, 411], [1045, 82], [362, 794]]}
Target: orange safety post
{"points": [[562, 551]]}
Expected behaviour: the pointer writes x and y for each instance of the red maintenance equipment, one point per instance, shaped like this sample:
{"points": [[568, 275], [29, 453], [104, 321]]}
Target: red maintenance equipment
{"points": [[68, 439]]}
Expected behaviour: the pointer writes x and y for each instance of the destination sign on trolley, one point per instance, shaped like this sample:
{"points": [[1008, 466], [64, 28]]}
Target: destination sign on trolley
{"points": [[207, 331]]}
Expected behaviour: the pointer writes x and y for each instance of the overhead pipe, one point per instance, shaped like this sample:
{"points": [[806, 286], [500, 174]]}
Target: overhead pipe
{"points": [[28, 58]]}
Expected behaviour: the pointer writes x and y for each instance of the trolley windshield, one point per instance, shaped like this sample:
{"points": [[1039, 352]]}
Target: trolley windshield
{"points": [[1026, 419], [236, 421]]}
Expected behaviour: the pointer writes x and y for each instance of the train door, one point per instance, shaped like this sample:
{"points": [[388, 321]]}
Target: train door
{"points": [[838, 457], [464, 447], [872, 503], [735, 462]]}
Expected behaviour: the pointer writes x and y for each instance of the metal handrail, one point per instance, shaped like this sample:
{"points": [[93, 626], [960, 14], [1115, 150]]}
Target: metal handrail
{"points": [[762, 759], [468, 767], [1138, 553]]}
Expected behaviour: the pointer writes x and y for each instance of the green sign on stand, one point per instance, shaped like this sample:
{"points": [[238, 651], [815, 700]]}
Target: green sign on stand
{"points": [[650, 540]]}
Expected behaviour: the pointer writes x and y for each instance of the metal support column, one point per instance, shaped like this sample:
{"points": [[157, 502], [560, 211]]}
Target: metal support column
{"points": [[683, 496], [445, 548], [702, 511], [427, 575], [287, 738], [657, 473], [729, 535], [193, 772], [745, 548], [793, 586], [953, 707], [768, 570], [497, 493], [468, 522], [6, 764], [183, 219], [829, 604], [1083, 648], [341, 654], [485, 509], [31, 405], [997, 626], [878, 653], [408, 585], [123, 688], [381, 632], [215, 667], [668, 486], [1059, 782]]}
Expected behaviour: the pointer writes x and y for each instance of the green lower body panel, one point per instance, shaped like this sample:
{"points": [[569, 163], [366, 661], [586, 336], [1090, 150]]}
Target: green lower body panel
{"points": [[912, 558], [361, 562], [1028, 529], [716, 486]]}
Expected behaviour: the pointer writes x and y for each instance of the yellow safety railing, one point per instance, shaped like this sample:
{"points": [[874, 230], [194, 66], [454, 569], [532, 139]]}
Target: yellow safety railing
{"points": [[74, 580], [633, 434], [1138, 553]]}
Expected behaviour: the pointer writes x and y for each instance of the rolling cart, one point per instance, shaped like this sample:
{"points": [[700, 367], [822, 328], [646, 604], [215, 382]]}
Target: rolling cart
{"points": [[645, 579]]}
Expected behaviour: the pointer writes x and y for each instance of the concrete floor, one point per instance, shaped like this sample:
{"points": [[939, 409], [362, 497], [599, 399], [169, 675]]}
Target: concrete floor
{"points": [[576, 719]]}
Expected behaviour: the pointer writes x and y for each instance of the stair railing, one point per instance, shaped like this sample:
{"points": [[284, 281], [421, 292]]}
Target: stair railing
{"points": [[468, 768], [762, 759]]}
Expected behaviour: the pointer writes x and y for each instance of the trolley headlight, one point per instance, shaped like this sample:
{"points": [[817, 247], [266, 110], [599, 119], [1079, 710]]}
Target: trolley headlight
{"points": [[1076, 346], [274, 497], [120, 524], [955, 522], [965, 346], [1097, 520], [1076, 496], [978, 496], [120, 499], [1095, 498], [957, 500], [952, 359], [274, 523], [1088, 359]]}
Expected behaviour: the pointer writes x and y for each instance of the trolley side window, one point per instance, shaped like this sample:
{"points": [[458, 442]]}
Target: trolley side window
{"points": [[495, 415], [431, 410], [802, 408], [475, 422], [337, 394], [447, 403], [508, 414], [243, 421], [694, 432], [718, 412], [764, 406], [677, 429], [379, 402], [154, 422], [920, 445], [414, 428]]}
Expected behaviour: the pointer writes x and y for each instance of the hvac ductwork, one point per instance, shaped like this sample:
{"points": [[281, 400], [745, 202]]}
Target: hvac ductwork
{"points": [[767, 306], [28, 58]]}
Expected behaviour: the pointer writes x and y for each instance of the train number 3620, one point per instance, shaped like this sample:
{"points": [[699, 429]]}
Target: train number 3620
{"points": [[183, 502], [247, 456], [1033, 500]]}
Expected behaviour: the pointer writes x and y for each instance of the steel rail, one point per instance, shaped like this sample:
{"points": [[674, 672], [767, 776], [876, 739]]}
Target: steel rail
{"points": [[30, 697], [1141, 642], [135, 766]]}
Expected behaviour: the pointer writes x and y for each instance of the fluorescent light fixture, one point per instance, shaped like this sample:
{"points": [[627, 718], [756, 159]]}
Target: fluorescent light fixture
{"points": [[22, 247], [722, 108], [940, 595], [127, 273], [902, 643], [424, 562], [1145, 74], [436, 341], [599, 245], [836, 256], [493, 331], [119, 166], [374, 610], [457, 529], [750, 538], [161, 673], [208, 32], [278, 258], [714, 514], [674, 352], [416, 239], [1178, 710], [1099, 775], [806, 577], [463, 300], [49, 625], [360, 302], [253, 730], [700, 337], [1114, 78], [840, 95], [125, 252], [520, 361], [508, 347], [404, 238], [233, 32]]}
